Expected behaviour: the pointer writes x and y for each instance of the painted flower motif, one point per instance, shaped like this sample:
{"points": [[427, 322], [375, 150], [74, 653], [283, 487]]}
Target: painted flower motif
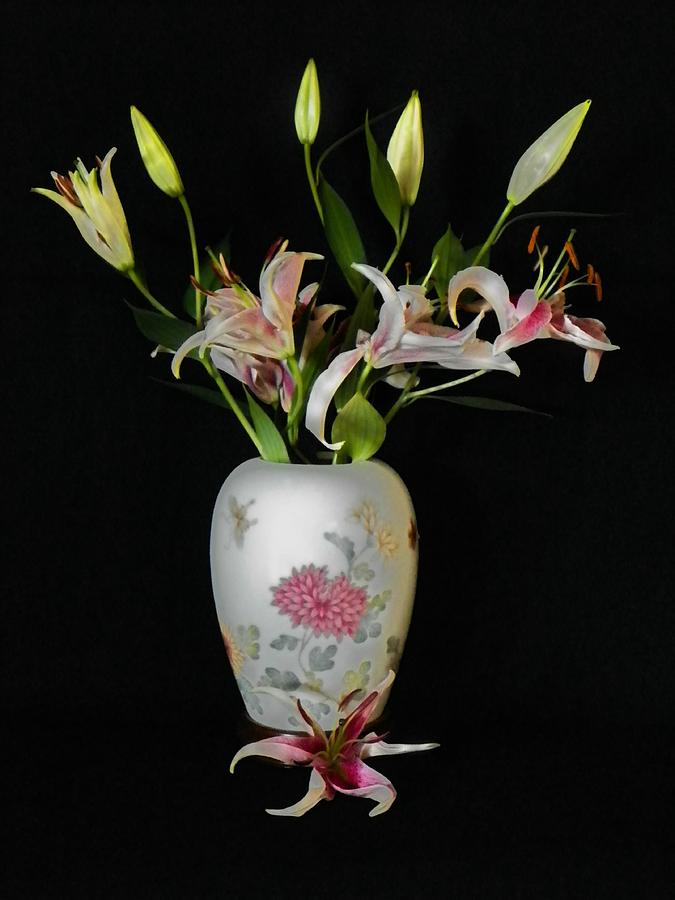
{"points": [[336, 761], [386, 543], [235, 654], [239, 519], [326, 606], [366, 516]]}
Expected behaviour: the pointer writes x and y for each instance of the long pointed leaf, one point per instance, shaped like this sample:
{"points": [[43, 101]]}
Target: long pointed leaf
{"points": [[342, 235], [161, 329], [488, 404], [206, 394], [271, 441], [384, 183]]}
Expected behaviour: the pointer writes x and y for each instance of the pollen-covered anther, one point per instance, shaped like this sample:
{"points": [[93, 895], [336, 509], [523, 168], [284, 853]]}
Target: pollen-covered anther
{"points": [[572, 254], [65, 187], [564, 275], [597, 281], [590, 274], [533, 239]]}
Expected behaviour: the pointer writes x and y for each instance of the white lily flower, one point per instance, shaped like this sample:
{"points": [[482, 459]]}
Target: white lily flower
{"points": [[404, 334], [96, 211]]}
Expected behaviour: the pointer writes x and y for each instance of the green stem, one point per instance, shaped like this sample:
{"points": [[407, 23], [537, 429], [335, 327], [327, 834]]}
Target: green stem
{"points": [[400, 237], [556, 265], [493, 234], [312, 180], [195, 257], [414, 395], [136, 279], [298, 400], [362, 378], [234, 406], [403, 395]]}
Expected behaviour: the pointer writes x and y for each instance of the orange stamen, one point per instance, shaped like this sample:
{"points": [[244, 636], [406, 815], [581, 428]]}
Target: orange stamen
{"points": [[533, 239], [590, 274], [597, 281], [563, 277], [572, 255]]}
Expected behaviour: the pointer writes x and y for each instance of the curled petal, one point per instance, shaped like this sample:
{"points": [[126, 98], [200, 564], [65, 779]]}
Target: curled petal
{"points": [[194, 341], [490, 286], [357, 719], [477, 354], [316, 793], [285, 748], [586, 333], [381, 282], [324, 390], [279, 283], [354, 778]]}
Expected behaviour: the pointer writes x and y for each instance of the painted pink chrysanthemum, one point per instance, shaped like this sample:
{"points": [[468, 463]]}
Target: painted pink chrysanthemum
{"points": [[326, 606]]}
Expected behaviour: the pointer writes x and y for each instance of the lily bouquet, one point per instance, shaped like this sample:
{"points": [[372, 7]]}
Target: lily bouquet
{"points": [[279, 358]]}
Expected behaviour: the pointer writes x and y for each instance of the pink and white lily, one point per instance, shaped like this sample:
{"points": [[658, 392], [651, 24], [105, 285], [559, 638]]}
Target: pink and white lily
{"points": [[250, 337], [336, 760], [405, 334], [531, 317]]}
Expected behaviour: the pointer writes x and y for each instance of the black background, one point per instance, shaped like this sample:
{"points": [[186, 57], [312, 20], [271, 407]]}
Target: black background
{"points": [[541, 651]]}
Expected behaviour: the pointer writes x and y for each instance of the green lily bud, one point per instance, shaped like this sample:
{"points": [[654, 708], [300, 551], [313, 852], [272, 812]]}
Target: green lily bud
{"points": [[405, 153], [543, 159], [308, 105], [156, 157]]}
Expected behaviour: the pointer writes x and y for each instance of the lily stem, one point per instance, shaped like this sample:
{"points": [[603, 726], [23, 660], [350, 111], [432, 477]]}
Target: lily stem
{"points": [[312, 180], [234, 406], [414, 395], [298, 400], [138, 282], [400, 237], [195, 256], [489, 241]]}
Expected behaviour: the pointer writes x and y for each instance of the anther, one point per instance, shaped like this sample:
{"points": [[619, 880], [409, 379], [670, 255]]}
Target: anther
{"points": [[533, 239], [590, 274], [597, 281], [572, 255], [563, 277]]}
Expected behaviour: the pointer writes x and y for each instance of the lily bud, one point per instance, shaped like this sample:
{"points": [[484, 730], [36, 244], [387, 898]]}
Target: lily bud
{"points": [[405, 153], [156, 157], [543, 159], [308, 105]]}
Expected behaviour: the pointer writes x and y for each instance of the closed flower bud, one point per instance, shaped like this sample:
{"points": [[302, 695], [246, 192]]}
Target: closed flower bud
{"points": [[156, 156], [543, 159], [405, 152], [308, 105]]}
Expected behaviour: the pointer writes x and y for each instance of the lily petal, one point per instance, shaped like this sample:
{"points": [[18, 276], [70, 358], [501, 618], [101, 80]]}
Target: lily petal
{"points": [[490, 286], [355, 779], [381, 748], [316, 793], [325, 388], [194, 341], [357, 719], [285, 748], [530, 327], [279, 283]]}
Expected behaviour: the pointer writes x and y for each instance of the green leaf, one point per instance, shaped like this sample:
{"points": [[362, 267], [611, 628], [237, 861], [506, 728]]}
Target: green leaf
{"points": [[361, 427], [342, 235], [472, 253], [206, 394], [315, 361], [322, 660], [161, 329], [450, 255], [383, 181], [272, 444], [207, 277], [487, 403]]}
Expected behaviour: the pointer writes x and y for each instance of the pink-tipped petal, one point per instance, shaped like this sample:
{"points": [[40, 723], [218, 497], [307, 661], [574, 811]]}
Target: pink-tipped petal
{"points": [[358, 718], [279, 283], [316, 793], [526, 303], [530, 327], [324, 390], [389, 331], [355, 779], [286, 748], [490, 286]]}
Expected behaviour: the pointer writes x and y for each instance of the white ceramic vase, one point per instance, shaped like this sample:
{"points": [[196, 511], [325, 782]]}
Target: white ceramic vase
{"points": [[314, 570]]}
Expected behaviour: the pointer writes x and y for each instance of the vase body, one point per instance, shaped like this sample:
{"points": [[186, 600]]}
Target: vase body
{"points": [[314, 571]]}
